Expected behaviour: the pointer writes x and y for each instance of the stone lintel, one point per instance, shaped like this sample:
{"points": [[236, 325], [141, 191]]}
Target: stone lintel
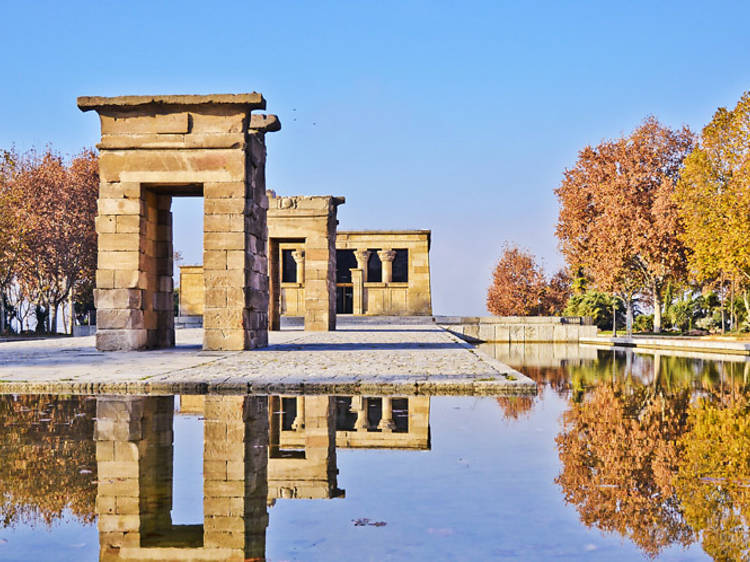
{"points": [[252, 100], [405, 235]]}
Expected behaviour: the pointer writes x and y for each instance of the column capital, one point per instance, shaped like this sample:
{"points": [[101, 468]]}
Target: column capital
{"points": [[362, 256], [387, 255], [298, 255]]}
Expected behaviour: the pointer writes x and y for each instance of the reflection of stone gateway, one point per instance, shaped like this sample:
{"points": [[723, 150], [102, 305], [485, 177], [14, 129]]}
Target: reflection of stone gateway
{"points": [[134, 458]]}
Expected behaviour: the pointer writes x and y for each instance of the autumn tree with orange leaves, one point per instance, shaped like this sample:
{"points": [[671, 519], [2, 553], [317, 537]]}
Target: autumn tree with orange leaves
{"points": [[618, 219], [519, 287], [48, 216]]}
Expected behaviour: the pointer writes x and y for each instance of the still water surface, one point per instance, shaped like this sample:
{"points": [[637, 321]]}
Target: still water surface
{"points": [[620, 457]]}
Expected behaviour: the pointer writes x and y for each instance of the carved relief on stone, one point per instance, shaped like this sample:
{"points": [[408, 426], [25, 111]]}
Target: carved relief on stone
{"points": [[288, 203]]}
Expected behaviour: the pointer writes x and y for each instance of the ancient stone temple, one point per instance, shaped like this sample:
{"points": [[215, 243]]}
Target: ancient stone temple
{"points": [[154, 148]]}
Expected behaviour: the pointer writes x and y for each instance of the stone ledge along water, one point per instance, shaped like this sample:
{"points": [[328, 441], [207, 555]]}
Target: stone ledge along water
{"points": [[384, 359]]}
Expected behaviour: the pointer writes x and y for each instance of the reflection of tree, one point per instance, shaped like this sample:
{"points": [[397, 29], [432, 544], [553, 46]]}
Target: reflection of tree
{"points": [[713, 482], [619, 450], [47, 458], [514, 407]]}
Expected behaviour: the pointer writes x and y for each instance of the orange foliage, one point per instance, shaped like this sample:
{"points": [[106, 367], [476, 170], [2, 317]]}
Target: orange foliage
{"points": [[47, 459], [619, 451], [517, 285], [57, 211], [617, 216]]}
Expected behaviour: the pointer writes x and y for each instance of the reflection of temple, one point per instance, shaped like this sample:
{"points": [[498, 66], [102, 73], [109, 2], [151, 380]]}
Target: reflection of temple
{"points": [[256, 450]]}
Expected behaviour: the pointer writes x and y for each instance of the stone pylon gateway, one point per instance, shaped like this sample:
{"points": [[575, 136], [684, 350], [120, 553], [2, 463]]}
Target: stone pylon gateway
{"points": [[154, 148]]}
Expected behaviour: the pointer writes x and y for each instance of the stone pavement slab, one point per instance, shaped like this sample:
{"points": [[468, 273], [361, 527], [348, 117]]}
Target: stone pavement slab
{"points": [[373, 360]]}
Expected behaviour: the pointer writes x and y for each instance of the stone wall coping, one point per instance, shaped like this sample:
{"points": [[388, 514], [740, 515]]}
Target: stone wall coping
{"points": [[337, 199], [536, 320], [683, 343], [376, 232], [253, 100]]}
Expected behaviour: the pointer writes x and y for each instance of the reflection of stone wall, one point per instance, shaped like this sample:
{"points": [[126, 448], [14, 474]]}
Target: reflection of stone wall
{"points": [[134, 456], [557, 354], [386, 297], [303, 467]]}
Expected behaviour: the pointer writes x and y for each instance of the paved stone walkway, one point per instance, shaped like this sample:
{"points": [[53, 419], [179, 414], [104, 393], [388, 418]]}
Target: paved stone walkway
{"points": [[382, 359]]}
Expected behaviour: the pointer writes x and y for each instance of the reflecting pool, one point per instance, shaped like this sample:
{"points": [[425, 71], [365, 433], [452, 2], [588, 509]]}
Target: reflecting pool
{"points": [[621, 456]]}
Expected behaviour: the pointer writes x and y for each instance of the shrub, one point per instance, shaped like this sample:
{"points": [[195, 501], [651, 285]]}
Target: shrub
{"points": [[643, 323]]}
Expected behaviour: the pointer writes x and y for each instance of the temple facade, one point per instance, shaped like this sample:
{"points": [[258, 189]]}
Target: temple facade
{"points": [[371, 272]]}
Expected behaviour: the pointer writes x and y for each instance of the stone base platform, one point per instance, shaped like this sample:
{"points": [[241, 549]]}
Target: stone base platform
{"points": [[374, 360]]}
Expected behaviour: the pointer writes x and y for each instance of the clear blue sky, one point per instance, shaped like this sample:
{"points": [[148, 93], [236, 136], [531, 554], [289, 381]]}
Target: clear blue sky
{"points": [[454, 116]]}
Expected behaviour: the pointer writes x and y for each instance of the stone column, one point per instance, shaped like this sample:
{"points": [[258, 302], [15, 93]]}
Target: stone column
{"points": [[274, 289], [299, 419], [362, 257], [358, 291], [299, 259], [387, 424], [359, 406], [320, 279], [359, 277], [386, 259]]}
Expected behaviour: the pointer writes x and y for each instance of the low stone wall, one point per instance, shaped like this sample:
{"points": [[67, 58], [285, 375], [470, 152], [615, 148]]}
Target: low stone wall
{"points": [[682, 344], [519, 329]]}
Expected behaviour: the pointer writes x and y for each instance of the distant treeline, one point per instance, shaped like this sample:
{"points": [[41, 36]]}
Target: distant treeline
{"points": [[654, 222]]}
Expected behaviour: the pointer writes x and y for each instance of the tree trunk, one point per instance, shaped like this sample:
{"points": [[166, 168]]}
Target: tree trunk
{"points": [[2, 314], [71, 310], [657, 310], [53, 319], [629, 316], [614, 318]]}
